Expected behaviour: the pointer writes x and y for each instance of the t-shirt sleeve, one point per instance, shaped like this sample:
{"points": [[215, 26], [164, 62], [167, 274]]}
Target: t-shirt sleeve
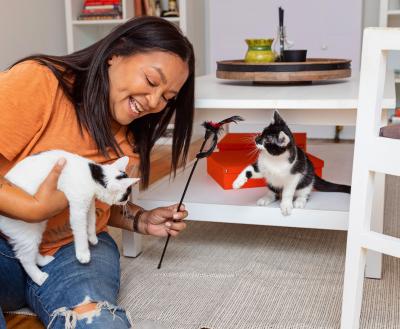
{"points": [[26, 94]]}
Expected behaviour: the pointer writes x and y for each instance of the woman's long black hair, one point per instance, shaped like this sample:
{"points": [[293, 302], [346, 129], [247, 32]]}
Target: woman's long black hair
{"points": [[83, 75]]}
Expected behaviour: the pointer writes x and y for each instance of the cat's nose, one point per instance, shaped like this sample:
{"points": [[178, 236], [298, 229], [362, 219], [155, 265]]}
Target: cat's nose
{"points": [[258, 140]]}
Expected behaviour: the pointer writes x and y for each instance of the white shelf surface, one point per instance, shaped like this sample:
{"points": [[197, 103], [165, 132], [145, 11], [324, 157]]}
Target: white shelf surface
{"points": [[113, 21], [325, 95], [207, 201]]}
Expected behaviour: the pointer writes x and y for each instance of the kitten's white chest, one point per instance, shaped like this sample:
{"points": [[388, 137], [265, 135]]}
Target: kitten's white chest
{"points": [[276, 169]]}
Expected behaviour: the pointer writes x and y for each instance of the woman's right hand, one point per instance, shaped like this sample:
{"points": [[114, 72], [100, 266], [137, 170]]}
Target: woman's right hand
{"points": [[48, 200]]}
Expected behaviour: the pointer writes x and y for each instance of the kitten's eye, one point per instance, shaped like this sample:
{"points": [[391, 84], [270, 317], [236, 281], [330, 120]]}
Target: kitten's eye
{"points": [[122, 175]]}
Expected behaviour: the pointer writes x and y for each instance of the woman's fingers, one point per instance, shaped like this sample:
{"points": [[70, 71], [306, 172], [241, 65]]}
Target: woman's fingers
{"points": [[174, 207], [52, 177], [175, 226]]}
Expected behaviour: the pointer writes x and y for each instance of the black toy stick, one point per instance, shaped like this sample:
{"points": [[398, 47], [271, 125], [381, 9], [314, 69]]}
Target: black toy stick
{"points": [[212, 129]]}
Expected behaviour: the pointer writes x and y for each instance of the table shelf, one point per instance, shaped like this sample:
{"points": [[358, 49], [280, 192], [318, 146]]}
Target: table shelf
{"points": [[207, 201]]}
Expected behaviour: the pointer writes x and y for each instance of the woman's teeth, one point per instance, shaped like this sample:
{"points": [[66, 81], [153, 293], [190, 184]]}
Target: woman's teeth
{"points": [[135, 107]]}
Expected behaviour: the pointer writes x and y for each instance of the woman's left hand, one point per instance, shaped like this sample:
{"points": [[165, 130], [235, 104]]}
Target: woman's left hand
{"points": [[164, 220]]}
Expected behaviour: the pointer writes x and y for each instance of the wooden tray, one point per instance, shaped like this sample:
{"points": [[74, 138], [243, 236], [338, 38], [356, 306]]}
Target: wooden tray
{"points": [[314, 69]]}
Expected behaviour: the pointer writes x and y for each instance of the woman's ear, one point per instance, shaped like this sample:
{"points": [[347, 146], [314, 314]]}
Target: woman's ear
{"points": [[112, 60]]}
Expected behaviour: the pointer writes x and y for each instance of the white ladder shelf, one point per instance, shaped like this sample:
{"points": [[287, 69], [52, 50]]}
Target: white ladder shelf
{"points": [[374, 156]]}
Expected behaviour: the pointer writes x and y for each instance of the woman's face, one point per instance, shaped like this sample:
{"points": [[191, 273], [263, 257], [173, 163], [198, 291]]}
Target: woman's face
{"points": [[143, 83]]}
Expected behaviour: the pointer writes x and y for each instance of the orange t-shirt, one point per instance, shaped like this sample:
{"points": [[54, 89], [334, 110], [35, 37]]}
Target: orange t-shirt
{"points": [[36, 116]]}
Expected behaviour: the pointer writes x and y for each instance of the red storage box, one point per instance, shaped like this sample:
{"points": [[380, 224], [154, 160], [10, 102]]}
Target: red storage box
{"points": [[241, 141], [224, 167], [318, 164]]}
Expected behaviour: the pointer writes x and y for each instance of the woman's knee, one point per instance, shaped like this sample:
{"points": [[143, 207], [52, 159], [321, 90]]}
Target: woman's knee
{"points": [[97, 315]]}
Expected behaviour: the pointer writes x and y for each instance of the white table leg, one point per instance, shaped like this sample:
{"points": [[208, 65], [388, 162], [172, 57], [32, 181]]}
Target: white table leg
{"points": [[373, 268], [131, 244]]}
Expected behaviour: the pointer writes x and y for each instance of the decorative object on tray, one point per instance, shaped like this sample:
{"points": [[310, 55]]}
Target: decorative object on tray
{"points": [[101, 10], [212, 131], [313, 69], [259, 51], [281, 43], [294, 55]]}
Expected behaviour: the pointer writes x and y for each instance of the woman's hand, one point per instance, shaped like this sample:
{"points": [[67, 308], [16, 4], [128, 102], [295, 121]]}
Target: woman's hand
{"points": [[163, 221], [48, 200]]}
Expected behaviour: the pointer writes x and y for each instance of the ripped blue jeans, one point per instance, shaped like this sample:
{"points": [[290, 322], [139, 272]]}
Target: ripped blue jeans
{"points": [[69, 284]]}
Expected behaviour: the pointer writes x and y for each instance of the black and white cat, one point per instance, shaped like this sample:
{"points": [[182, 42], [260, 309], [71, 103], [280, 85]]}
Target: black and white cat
{"points": [[81, 181], [289, 173]]}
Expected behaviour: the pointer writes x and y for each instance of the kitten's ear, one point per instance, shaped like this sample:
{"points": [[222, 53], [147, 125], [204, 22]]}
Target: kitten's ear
{"points": [[121, 163], [277, 118], [283, 139], [131, 181]]}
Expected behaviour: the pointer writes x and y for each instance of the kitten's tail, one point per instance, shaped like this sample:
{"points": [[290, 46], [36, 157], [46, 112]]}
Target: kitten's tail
{"points": [[325, 186]]}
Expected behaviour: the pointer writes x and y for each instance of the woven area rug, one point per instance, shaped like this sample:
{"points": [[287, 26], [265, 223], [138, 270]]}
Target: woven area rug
{"points": [[228, 276]]}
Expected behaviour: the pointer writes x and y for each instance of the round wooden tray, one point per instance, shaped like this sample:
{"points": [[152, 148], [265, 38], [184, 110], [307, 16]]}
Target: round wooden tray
{"points": [[314, 69]]}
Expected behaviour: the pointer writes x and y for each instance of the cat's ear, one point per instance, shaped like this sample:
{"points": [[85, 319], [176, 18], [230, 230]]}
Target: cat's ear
{"points": [[130, 181], [283, 139], [276, 118], [121, 163]]}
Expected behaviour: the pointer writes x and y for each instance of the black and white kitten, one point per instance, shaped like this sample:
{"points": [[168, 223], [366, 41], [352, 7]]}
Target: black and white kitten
{"points": [[82, 181], [289, 173]]}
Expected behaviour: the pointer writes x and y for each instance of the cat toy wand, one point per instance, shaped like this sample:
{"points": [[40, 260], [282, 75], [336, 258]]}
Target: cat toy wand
{"points": [[212, 130]]}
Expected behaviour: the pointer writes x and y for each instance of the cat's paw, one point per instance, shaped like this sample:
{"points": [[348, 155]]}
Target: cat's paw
{"points": [[39, 279], [83, 256], [300, 203], [93, 239], [265, 201], [286, 208], [43, 260], [239, 182]]}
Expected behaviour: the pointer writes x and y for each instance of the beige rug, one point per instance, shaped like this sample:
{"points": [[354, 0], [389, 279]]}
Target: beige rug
{"points": [[228, 276]]}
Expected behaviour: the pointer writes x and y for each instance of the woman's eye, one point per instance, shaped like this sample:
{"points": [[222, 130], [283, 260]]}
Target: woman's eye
{"points": [[151, 83]]}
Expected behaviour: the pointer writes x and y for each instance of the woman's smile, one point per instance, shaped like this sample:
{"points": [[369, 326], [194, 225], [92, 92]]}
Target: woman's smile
{"points": [[134, 107]]}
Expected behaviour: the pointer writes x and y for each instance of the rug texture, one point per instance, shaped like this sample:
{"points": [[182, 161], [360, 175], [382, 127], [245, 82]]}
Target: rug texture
{"points": [[230, 276]]}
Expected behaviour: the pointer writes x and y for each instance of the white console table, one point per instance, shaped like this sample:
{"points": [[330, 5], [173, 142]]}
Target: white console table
{"points": [[327, 103]]}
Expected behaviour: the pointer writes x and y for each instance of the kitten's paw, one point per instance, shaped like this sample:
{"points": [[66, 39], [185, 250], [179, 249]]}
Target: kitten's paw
{"points": [[239, 182], [286, 208], [83, 256], [44, 260], [40, 278], [265, 201], [93, 239], [300, 203]]}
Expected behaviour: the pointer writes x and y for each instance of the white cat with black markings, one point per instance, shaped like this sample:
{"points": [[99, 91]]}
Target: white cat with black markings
{"points": [[289, 173], [82, 181]]}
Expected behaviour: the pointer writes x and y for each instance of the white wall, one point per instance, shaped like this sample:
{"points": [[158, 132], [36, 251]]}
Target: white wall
{"points": [[31, 26]]}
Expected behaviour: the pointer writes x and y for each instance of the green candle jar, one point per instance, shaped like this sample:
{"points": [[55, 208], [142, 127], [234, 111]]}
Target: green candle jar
{"points": [[259, 51]]}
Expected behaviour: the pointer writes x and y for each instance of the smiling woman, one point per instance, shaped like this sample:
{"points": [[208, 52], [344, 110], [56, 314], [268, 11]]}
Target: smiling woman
{"points": [[144, 83], [111, 99]]}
